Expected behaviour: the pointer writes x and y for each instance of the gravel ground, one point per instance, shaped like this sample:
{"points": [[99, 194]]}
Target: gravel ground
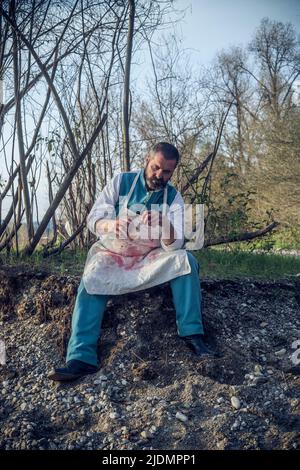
{"points": [[151, 392]]}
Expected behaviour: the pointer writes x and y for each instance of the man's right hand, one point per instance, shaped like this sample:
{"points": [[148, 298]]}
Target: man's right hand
{"points": [[118, 227]]}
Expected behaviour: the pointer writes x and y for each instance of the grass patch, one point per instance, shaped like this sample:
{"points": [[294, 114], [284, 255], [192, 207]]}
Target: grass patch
{"points": [[284, 238], [214, 263], [69, 261], [233, 264]]}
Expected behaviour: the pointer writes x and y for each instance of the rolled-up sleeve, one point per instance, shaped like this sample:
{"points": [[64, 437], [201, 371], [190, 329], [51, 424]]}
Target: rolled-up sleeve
{"points": [[104, 206], [175, 216]]}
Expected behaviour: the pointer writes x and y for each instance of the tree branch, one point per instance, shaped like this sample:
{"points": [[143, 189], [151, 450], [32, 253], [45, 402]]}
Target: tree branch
{"points": [[242, 236]]}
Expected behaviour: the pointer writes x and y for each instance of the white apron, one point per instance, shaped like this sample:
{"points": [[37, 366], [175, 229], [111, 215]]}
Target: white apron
{"points": [[116, 266]]}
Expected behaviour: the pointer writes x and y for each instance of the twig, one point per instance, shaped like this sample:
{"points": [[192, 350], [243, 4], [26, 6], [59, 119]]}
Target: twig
{"points": [[139, 357]]}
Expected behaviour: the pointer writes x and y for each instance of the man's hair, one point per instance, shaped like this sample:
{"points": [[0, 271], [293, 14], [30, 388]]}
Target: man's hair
{"points": [[168, 150]]}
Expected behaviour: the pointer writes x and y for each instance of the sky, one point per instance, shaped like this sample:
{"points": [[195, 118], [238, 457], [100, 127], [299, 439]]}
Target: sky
{"points": [[211, 25]]}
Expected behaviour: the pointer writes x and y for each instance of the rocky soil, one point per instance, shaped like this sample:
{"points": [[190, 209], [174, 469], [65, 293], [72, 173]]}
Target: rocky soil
{"points": [[151, 392]]}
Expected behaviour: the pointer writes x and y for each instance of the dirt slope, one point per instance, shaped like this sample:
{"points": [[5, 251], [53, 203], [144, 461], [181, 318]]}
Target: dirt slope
{"points": [[151, 392]]}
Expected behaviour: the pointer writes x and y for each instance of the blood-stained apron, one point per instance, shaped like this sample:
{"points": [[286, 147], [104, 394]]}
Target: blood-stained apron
{"points": [[118, 266]]}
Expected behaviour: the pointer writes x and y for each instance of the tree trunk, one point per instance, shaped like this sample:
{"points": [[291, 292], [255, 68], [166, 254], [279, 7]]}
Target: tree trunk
{"points": [[22, 156], [126, 154]]}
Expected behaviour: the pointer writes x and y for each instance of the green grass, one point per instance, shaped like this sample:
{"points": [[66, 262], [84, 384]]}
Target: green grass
{"points": [[284, 238], [214, 263], [69, 261], [232, 264]]}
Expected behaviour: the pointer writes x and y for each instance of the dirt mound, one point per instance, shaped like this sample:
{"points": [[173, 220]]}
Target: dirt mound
{"points": [[151, 392]]}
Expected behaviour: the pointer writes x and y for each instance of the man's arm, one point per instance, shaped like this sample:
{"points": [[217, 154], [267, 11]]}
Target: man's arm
{"points": [[102, 214], [173, 226]]}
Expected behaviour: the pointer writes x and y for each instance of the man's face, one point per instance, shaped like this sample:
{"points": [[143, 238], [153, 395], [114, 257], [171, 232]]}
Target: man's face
{"points": [[158, 171]]}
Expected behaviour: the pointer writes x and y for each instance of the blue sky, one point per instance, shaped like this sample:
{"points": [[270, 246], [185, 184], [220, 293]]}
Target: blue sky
{"points": [[210, 25]]}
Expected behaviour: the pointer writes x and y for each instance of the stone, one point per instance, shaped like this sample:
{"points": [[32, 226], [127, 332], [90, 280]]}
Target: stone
{"points": [[235, 425], [280, 353], [259, 380], [181, 417], [235, 402], [257, 369]]}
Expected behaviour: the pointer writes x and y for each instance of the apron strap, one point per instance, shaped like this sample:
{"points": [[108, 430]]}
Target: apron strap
{"points": [[127, 198], [164, 208]]}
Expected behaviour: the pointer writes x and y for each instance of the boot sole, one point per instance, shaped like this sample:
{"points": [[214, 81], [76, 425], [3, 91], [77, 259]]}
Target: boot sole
{"points": [[63, 377], [60, 377]]}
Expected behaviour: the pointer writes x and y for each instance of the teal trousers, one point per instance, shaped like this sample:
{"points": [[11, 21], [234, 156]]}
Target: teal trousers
{"points": [[89, 312]]}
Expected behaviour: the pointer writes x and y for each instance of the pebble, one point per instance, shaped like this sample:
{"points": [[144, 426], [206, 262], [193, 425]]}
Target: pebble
{"points": [[181, 417], [280, 353], [259, 380], [257, 369], [146, 435], [220, 445], [235, 425], [235, 402], [23, 406], [294, 402], [114, 415]]}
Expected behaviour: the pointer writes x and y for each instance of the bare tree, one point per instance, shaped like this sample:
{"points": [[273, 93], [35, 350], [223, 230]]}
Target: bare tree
{"points": [[276, 48], [126, 155]]}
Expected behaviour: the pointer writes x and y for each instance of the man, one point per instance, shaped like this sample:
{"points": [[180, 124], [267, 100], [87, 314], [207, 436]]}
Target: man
{"points": [[146, 187]]}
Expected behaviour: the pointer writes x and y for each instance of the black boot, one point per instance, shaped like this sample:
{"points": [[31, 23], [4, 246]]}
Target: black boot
{"points": [[74, 370], [196, 344]]}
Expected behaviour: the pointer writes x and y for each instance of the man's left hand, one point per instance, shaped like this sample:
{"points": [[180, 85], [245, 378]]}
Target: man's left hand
{"points": [[154, 218]]}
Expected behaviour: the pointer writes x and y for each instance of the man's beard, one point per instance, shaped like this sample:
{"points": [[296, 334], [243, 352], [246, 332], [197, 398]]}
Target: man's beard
{"points": [[154, 183]]}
